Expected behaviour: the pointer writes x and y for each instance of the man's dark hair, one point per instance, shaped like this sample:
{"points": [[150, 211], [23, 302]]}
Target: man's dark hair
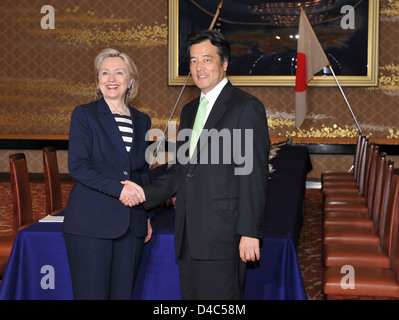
{"points": [[215, 37]]}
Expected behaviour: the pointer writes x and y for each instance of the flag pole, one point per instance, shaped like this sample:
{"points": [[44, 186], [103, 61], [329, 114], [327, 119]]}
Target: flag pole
{"points": [[346, 100], [182, 89]]}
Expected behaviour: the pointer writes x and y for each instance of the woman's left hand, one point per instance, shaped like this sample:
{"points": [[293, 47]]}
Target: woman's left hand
{"points": [[149, 232]]}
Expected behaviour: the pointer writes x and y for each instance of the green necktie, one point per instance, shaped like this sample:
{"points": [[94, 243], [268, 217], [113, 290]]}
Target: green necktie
{"points": [[198, 124]]}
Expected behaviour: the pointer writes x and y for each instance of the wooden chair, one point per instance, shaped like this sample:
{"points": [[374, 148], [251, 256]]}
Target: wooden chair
{"points": [[347, 235], [6, 243], [351, 174], [370, 282], [357, 202], [361, 254], [353, 218], [22, 205], [52, 181], [20, 191], [349, 185]]}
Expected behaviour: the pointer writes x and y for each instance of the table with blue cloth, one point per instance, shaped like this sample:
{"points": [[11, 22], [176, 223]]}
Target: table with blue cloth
{"points": [[38, 266]]}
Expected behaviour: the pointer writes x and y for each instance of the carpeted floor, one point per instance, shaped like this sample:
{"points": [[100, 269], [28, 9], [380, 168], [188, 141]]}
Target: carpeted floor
{"points": [[309, 245]]}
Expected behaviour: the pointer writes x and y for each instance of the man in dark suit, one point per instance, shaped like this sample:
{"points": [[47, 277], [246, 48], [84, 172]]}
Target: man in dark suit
{"points": [[220, 199]]}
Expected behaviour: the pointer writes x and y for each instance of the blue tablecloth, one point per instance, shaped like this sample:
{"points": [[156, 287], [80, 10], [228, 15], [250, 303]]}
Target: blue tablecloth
{"points": [[38, 266]]}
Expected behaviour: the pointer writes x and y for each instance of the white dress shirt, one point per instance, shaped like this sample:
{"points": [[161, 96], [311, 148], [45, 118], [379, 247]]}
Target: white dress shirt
{"points": [[211, 96]]}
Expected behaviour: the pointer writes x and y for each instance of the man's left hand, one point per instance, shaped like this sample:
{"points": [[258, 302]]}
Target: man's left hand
{"points": [[249, 249]]}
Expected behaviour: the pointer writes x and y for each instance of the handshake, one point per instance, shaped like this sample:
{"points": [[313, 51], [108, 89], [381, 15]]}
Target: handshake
{"points": [[132, 194]]}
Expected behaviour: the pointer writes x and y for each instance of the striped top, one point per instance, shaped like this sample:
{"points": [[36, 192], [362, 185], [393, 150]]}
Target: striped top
{"points": [[125, 125]]}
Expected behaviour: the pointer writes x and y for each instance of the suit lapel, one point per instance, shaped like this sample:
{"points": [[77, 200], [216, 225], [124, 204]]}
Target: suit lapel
{"points": [[110, 127], [137, 131], [217, 112], [219, 108]]}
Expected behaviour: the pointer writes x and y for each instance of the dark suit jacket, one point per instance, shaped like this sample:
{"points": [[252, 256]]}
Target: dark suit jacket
{"points": [[98, 161], [216, 205]]}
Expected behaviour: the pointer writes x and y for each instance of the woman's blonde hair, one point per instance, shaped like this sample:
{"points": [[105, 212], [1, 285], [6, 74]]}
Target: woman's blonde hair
{"points": [[132, 91]]}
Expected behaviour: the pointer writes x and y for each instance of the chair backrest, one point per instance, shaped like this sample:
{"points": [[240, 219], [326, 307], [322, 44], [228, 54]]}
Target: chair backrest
{"points": [[389, 172], [20, 191], [356, 160], [52, 180], [388, 216], [362, 166], [371, 177], [394, 252], [380, 181]]}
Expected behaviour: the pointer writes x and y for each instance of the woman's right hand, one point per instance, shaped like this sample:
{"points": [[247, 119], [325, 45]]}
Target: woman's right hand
{"points": [[132, 194]]}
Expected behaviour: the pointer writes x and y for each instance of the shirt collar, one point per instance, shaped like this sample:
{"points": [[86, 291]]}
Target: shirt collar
{"points": [[212, 95]]}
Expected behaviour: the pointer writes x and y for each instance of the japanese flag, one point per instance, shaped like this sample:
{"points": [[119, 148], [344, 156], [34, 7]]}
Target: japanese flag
{"points": [[310, 60]]}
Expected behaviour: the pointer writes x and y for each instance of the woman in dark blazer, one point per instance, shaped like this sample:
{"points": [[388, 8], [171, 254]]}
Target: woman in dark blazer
{"points": [[104, 238]]}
